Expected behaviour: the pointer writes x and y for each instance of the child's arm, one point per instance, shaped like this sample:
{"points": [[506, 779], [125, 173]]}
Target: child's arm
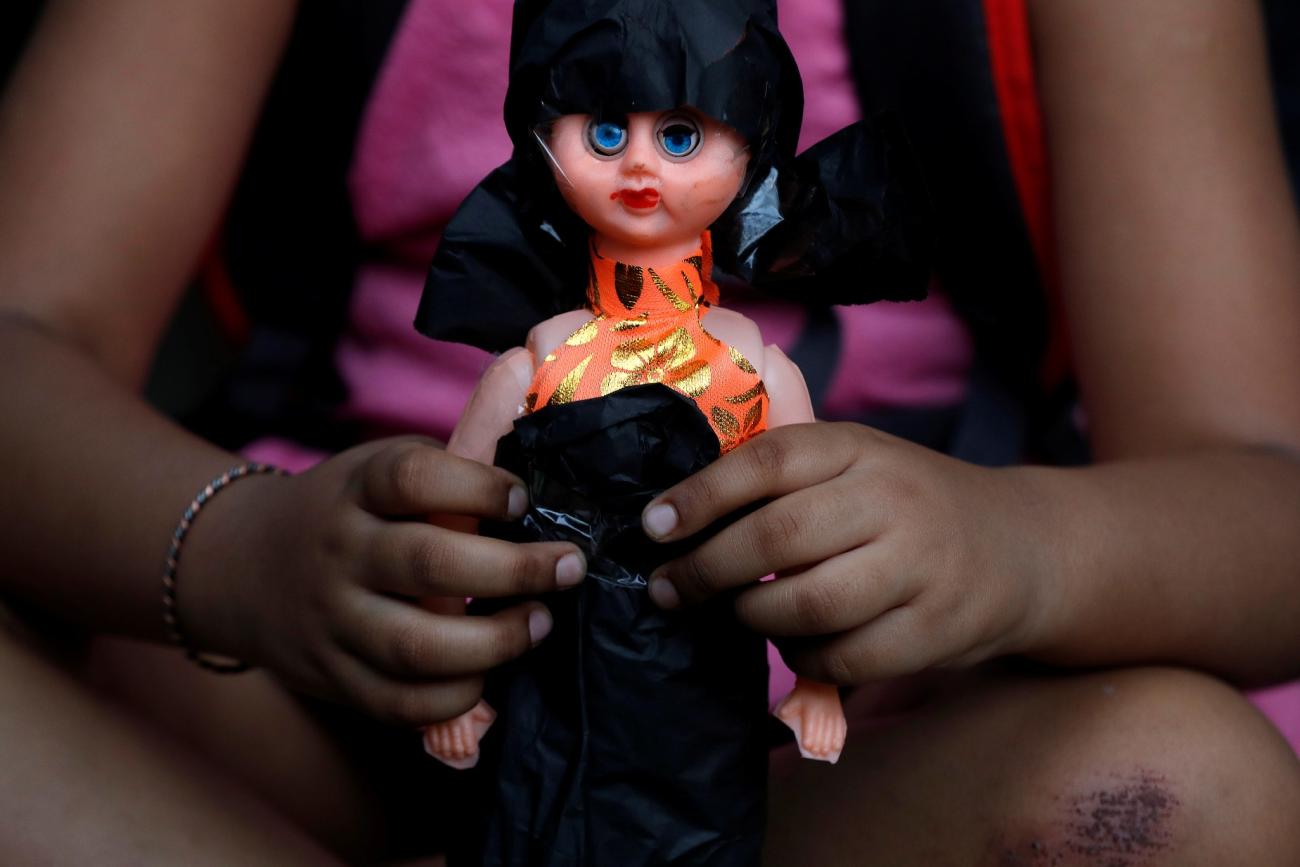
{"points": [[121, 134], [120, 138], [1180, 258]]}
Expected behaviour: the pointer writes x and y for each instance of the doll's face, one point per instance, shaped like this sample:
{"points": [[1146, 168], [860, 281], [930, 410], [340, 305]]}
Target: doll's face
{"points": [[652, 180]]}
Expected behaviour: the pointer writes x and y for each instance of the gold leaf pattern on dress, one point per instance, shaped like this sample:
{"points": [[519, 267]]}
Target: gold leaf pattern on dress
{"points": [[613, 382], [748, 395], [628, 280], [632, 354], [725, 422], [568, 387], [696, 262], [550, 356], [629, 324], [741, 361], [693, 379], [584, 335], [690, 287], [667, 291], [753, 417], [646, 354], [670, 360]]}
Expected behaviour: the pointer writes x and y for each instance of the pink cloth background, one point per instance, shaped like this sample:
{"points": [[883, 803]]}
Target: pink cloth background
{"points": [[433, 130]]}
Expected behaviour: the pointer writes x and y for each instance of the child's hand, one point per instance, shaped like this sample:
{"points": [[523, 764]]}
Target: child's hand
{"points": [[322, 584], [891, 558]]}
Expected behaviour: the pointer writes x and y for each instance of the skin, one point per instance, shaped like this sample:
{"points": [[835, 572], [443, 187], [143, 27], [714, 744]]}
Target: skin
{"points": [[1190, 512]]}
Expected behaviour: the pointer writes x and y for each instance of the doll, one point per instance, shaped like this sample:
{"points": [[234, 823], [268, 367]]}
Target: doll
{"points": [[649, 185], [636, 736]]}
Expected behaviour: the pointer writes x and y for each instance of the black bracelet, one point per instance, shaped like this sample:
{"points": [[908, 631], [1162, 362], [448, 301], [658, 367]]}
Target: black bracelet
{"points": [[171, 618]]}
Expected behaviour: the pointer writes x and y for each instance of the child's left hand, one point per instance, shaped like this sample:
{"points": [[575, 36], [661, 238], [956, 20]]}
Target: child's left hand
{"points": [[891, 558]]}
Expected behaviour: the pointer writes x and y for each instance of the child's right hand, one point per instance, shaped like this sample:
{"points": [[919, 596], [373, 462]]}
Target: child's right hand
{"points": [[316, 578]]}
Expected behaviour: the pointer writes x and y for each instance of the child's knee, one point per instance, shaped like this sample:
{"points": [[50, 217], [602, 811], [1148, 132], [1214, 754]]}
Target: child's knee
{"points": [[1154, 766]]}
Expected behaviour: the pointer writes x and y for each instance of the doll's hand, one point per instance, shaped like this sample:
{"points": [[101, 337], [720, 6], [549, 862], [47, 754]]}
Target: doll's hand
{"points": [[320, 572], [891, 558]]}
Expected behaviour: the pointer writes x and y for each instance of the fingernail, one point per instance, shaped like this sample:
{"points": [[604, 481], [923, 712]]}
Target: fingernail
{"points": [[664, 593], [569, 570], [517, 504], [539, 625], [659, 520]]}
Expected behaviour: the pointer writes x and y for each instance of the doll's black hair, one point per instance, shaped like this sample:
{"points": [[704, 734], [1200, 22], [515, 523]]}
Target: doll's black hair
{"points": [[844, 223]]}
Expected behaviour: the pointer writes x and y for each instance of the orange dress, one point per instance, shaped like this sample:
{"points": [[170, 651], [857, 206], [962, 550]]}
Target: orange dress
{"points": [[647, 328]]}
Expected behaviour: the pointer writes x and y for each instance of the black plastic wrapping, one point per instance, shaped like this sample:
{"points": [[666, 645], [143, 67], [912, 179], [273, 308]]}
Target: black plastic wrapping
{"points": [[846, 223], [631, 736]]}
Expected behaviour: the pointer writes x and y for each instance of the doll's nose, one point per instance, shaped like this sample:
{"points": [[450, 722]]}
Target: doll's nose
{"points": [[640, 157]]}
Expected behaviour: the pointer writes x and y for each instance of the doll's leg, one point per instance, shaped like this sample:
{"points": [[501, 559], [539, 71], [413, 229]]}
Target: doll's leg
{"points": [[455, 741], [813, 712], [1139, 768]]}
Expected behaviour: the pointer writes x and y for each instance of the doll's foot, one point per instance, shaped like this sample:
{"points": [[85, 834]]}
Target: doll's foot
{"points": [[814, 713], [455, 741]]}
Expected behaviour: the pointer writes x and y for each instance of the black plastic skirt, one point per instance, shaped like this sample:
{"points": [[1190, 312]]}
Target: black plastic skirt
{"points": [[630, 736]]}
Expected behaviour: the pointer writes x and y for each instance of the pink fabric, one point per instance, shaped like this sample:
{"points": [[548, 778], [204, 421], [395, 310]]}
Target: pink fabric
{"points": [[285, 454], [1281, 704]]}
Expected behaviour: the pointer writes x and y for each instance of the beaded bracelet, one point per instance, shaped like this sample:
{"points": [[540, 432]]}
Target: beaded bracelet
{"points": [[171, 617]]}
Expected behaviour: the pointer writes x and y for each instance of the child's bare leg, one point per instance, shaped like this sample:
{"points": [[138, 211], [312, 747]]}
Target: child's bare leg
{"points": [[813, 712], [1137, 768], [84, 784]]}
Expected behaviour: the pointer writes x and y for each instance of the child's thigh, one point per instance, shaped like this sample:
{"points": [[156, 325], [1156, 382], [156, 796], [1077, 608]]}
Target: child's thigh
{"points": [[363, 789], [85, 782], [1149, 767]]}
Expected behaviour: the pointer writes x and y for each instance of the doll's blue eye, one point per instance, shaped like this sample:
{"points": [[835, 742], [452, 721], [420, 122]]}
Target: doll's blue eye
{"points": [[606, 137], [679, 137]]}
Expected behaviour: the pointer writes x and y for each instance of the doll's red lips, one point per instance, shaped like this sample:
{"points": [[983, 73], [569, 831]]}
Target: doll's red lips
{"points": [[646, 198]]}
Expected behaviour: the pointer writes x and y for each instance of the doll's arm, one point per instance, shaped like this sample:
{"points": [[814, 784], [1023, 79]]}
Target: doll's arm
{"points": [[812, 710], [497, 401]]}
